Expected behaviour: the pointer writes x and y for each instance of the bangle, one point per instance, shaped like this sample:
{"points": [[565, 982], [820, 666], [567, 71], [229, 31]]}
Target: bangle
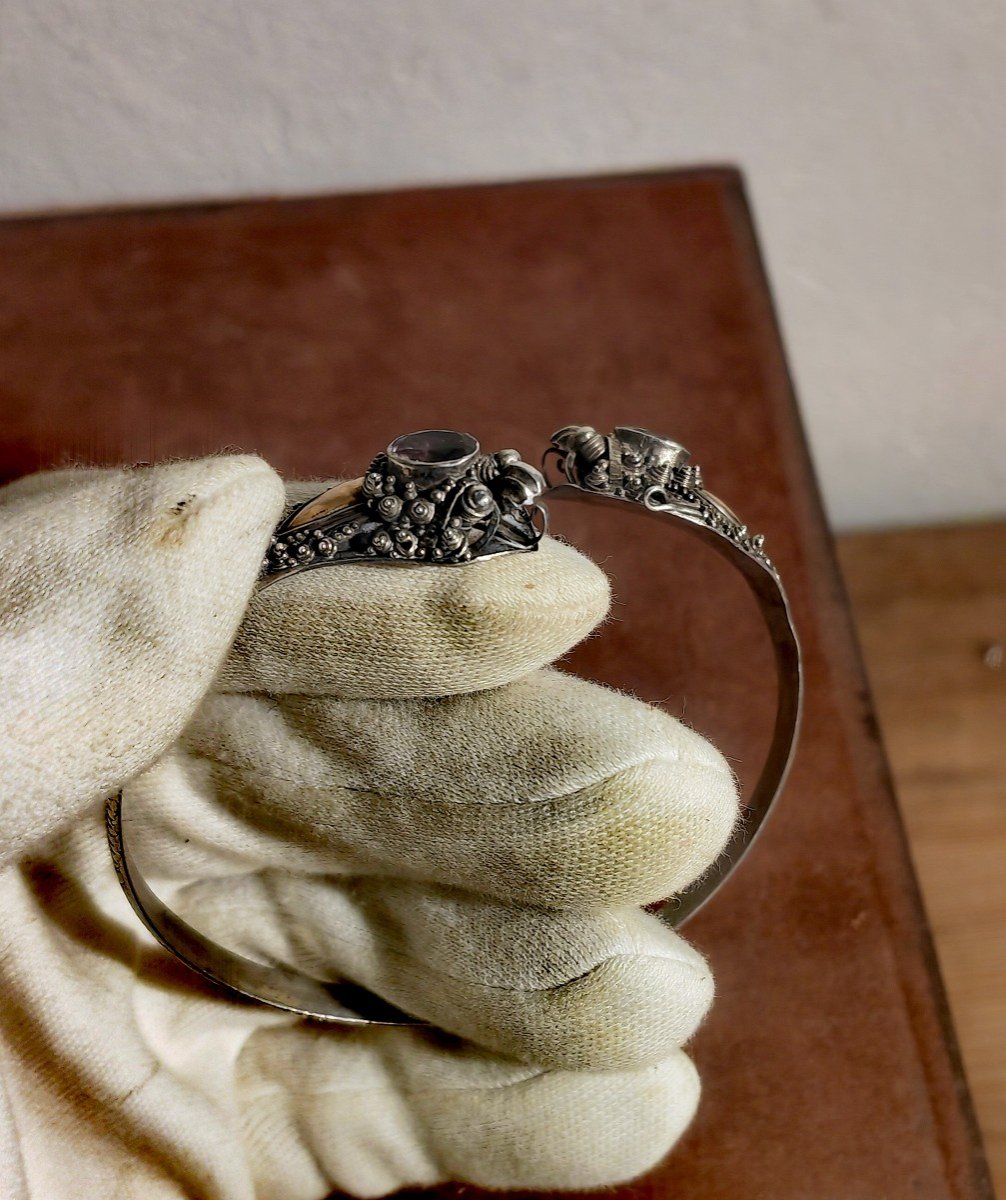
{"points": [[434, 497]]}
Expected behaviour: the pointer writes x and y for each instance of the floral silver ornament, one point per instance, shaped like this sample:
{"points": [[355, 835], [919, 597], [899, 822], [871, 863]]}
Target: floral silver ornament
{"points": [[430, 497], [635, 464], [475, 501], [389, 506], [422, 511]]}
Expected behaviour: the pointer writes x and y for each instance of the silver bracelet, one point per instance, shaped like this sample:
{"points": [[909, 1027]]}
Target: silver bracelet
{"points": [[433, 497]]}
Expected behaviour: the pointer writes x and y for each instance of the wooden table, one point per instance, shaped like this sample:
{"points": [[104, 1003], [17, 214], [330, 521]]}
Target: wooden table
{"points": [[314, 331], [930, 605]]}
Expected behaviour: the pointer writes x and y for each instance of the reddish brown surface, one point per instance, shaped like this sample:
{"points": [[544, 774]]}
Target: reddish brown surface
{"points": [[315, 331]]}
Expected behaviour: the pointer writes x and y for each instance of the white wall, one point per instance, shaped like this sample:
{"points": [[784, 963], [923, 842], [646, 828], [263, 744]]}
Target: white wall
{"points": [[873, 135]]}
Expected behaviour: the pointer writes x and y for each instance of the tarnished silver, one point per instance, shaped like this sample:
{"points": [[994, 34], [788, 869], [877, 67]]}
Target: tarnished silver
{"points": [[651, 470], [433, 497]]}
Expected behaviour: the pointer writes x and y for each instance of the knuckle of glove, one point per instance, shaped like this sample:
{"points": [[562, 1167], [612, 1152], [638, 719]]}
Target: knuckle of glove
{"points": [[372, 631]]}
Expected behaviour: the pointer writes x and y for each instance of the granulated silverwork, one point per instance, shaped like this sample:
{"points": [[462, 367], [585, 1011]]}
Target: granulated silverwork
{"points": [[634, 464], [434, 498]]}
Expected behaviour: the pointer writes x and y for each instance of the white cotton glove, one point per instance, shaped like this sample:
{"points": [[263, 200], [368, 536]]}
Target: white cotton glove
{"points": [[383, 780]]}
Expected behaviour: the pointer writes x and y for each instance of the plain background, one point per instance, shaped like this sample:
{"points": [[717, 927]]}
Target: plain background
{"points": [[873, 137]]}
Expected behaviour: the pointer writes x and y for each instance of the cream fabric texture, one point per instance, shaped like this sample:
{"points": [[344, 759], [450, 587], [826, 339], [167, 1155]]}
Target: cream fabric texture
{"points": [[364, 771]]}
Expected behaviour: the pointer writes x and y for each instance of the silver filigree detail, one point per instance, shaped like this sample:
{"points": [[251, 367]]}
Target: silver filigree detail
{"points": [[420, 510], [637, 465]]}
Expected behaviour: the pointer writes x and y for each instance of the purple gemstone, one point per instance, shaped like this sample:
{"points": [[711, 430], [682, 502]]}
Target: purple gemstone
{"points": [[434, 451]]}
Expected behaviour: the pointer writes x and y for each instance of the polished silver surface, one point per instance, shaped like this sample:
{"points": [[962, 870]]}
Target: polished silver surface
{"points": [[638, 467], [276, 985], [433, 497]]}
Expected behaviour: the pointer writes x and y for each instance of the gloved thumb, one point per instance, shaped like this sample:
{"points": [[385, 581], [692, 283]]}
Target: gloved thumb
{"points": [[120, 593]]}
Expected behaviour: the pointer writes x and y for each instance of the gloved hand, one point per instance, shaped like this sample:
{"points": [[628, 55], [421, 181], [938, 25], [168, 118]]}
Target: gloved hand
{"points": [[382, 778]]}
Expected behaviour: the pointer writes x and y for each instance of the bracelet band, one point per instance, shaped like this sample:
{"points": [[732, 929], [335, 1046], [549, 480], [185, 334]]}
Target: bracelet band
{"points": [[432, 497], [638, 467]]}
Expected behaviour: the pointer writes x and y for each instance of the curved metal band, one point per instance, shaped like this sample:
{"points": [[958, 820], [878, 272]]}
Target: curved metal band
{"points": [[277, 986], [774, 606], [599, 469]]}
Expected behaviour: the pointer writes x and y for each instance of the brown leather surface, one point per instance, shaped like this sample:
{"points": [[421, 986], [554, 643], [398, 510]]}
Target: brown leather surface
{"points": [[314, 331]]}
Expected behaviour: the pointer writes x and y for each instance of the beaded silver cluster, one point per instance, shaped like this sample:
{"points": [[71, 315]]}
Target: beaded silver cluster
{"points": [[635, 464], [420, 512]]}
